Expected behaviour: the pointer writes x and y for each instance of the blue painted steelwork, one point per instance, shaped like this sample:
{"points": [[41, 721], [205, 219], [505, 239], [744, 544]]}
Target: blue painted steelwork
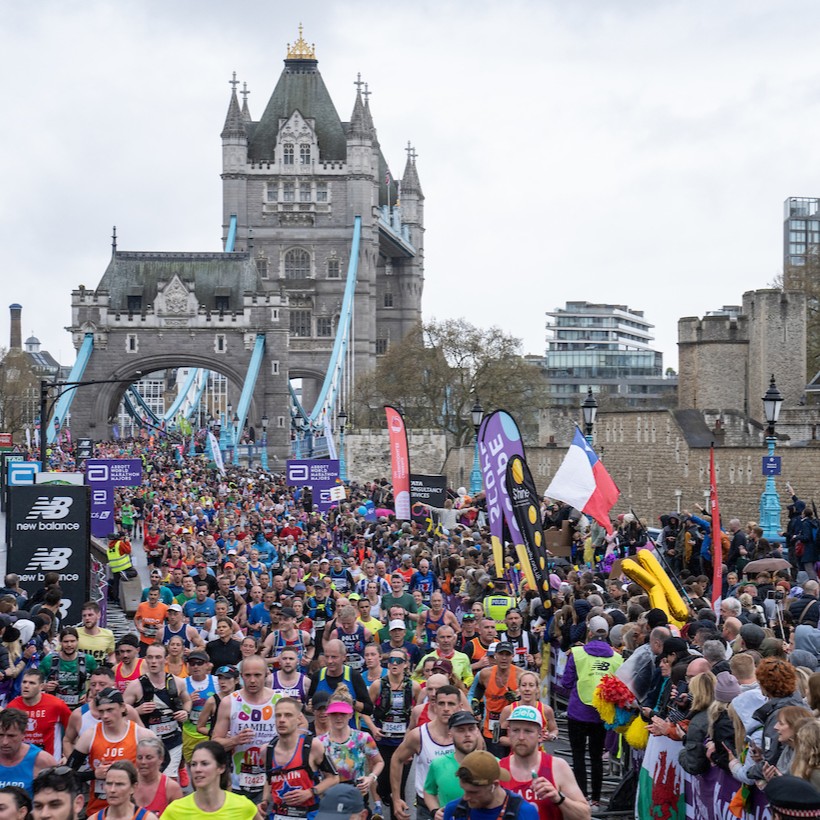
{"points": [[144, 405], [230, 242], [327, 395], [198, 396], [171, 412], [63, 405], [250, 382]]}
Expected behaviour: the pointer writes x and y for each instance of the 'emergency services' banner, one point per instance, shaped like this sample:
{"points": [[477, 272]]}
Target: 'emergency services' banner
{"points": [[49, 532]]}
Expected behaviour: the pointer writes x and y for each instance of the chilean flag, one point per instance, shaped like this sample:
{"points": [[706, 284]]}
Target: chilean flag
{"points": [[583, 482]]}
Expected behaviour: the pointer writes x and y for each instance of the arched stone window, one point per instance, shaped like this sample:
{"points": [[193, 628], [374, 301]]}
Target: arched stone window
{"points": [[287, 153], [297, 264], [304, 154]]}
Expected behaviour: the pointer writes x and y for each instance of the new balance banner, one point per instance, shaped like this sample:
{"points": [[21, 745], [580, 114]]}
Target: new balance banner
{"points": [[498, 441], [49, 532], [103, 475], [399, 461], [527, 511], [427, 491]]}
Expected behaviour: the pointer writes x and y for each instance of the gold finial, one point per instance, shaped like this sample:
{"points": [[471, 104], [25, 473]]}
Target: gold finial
{"points": [[300, 49]]}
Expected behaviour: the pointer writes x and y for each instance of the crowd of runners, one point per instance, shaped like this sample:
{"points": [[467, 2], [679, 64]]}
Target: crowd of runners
{"points": [[287, 663]]}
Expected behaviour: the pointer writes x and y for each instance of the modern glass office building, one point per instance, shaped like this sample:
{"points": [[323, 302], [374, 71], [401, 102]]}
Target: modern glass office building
{"points": [[607, 348], [801, 230]]}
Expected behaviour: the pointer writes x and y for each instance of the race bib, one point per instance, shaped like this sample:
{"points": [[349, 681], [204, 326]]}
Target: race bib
{"points": [[70, 700], [167, 728], [355, 662], [394, 727], [248, 780], [320, 624], [149, 631]]}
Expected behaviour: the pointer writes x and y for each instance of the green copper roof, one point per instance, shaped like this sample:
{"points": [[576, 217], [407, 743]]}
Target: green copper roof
{"points": [[300, 87]]}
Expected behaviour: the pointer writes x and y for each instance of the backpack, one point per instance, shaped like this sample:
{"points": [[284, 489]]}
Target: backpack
{"points": [[514, 801], [270, 761], [384, 701], [623, 798], [148, 691]]}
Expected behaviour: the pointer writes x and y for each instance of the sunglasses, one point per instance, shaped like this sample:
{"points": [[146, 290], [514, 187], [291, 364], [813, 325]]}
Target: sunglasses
{"points": [[396, 660], [196, 663]]}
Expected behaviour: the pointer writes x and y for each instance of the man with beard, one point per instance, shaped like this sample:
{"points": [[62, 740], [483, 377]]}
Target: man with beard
{"points": [[57, 796], [20, 762], [288, 681], [538, 777], [525, 644], [66, 672], [441, 784], [94, 639]]}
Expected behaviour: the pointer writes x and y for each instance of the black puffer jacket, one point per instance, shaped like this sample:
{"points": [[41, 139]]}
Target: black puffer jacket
{"points": [[692, 756]]}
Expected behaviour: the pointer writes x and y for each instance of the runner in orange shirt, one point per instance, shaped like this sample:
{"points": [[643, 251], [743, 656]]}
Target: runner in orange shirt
{"points": [[149, 619]]}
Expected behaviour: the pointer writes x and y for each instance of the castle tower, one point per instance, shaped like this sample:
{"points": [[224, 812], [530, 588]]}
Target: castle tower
{"points": [[296, 179]]}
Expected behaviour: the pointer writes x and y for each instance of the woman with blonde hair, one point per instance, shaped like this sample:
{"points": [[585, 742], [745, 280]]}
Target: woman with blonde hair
{"points": [[175, 659], [806, 761], [693, 755], [529, 688]]}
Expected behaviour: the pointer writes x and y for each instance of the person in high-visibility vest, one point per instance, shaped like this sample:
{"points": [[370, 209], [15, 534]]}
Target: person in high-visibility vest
{"points": [[119, 561], [498, 603], [586, 665]]}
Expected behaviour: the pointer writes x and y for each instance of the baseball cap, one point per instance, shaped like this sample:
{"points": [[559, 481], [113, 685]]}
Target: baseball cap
{"points": [[462, 719], [156, 572], [288, 612], [320, 700], [354, 596], [528, 714], [397, 623], [443, 665], [109, 695], [229, 564], [202, 564], [199, 655], [598, 626], [504, 646], [339, 802], [480, 768], [319, 585], [174, 608], [227, 672]]}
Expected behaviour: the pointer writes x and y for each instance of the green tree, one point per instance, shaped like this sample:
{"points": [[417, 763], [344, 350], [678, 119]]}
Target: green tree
{"points": [[437, 371], [806, 279]]}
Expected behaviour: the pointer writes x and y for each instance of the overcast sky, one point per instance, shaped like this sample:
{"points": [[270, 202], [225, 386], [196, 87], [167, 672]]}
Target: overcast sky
{"points": [[630, 152]]}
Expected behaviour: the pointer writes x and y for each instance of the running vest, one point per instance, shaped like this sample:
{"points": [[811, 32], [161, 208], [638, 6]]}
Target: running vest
{"points": [[296, 691], [199, 691], [354, 644], [22, 774], [392, 711], [120, 681], [496, 606], [590, 669], [430, 750], [162, 721], [323, 686], [432, 627], [295, 774], [547, 810], [340, 581], [495, 698], [104, 752], [479, 650], [279, 643], [71, 699], [182, 633], [248, 761], [512, 803]]}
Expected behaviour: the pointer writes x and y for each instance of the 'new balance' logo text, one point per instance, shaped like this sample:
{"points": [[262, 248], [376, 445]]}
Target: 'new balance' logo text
{"points": [[50, 509], [49, 560]]}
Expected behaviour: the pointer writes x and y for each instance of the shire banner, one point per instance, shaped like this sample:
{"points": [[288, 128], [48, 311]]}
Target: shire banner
{"points": [[498, 441], [399, 461], [527, 511]]}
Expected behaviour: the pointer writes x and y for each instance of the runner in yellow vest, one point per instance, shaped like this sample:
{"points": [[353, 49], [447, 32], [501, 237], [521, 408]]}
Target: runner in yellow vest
{"points": [[586, 666]]}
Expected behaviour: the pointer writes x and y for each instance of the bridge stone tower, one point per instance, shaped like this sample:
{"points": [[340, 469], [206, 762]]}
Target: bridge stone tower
{"points": [[295, 180]]}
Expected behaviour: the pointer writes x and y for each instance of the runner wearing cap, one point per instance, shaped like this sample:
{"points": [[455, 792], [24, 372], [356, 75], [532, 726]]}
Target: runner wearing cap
{"points": [[227, 678], [201, 685], [485, 798], [397, 632], [320, 610], [115, 737], [175, 626], [441, 786], [498, 685], [66, 672], [288, 636], [393, 700], [165, 594], [537, 776], [341, 802]]}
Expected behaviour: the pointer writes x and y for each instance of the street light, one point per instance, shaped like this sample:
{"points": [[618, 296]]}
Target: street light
{"points": [[476, 416], [63, 387], [590, 410], [341, 418], [300, 423], [235, 436], [770, 500], [265, 442]]}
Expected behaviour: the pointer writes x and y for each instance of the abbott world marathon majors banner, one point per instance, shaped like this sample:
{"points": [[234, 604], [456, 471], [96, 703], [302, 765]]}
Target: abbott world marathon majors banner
{"points": [[49, 532]]}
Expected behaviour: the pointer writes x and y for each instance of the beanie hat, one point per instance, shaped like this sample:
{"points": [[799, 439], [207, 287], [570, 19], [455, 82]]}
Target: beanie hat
{"points": [[726, 688], [802, 657]]}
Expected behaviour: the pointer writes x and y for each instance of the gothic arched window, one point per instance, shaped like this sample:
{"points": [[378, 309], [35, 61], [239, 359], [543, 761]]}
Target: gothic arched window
{"points": [[297, 264], [304, 154], [287, 153]]}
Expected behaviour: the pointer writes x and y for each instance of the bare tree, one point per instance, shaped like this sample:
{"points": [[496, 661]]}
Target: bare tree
{"points": [[19, 390]]}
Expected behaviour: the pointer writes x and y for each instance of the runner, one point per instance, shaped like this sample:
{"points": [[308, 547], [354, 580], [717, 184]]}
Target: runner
{"points": [[288, 636], [499, 686], [149, 619], [66, 672], [288, 681], [176, 626], [20, 762], [336, 671], [201, 685], [94, 639], [353, 635], [130, 666], [48, 716]]}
